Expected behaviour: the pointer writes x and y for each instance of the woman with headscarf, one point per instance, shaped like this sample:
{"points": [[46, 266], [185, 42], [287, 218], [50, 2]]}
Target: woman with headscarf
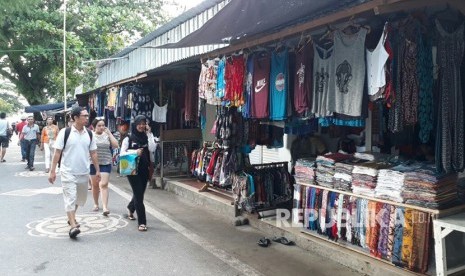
{"points": [[140, 139]]}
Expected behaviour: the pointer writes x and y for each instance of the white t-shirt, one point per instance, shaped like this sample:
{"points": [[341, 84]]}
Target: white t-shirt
{"points": [[4, 125], [76, 155], [30, 133]]}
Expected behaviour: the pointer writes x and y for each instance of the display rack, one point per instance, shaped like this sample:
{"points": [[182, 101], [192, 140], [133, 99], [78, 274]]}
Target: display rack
{"points": [[435, 215]]}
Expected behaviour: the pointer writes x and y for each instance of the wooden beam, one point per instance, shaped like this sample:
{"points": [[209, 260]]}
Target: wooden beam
{"points": [[407, 5], [305, 27]]}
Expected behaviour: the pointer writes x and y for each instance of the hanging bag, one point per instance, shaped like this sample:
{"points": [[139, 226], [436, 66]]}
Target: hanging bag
{"points": [[128, 162]]}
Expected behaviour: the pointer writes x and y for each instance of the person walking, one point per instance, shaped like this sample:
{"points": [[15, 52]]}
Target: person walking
{"points": [[31, 135], [5, 131], [105, 142], [74, 145], [140, 139], [49, 134], [18, 130]]}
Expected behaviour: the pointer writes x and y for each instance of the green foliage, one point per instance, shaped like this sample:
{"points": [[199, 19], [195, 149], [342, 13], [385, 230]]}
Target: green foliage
{"points": [[31, 41], [9, 103]]}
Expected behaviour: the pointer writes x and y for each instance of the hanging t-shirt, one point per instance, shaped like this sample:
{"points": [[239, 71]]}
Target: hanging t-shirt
{"points": [[376, 59], [234, 77], [220, 81], [159, 113], [279, 85], [322, 64], [303, 79], [207, 82], [346, 94], [261, 83], [248, 87]]}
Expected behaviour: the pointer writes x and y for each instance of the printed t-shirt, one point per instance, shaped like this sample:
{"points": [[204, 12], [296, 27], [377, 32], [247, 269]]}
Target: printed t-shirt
{"points": [[348, 72], [279, 85], [261, 86]]}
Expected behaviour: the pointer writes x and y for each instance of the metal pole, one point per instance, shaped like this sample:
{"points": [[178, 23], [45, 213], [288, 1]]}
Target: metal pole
{"points": [[64, 56], [160, 97]]}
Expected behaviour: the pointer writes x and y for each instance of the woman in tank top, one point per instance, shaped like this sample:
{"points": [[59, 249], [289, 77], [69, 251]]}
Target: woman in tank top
{"points": [[105, 141]]}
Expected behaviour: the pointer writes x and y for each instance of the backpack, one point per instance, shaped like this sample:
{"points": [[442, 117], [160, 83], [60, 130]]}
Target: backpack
{"points": [[67, 132]]}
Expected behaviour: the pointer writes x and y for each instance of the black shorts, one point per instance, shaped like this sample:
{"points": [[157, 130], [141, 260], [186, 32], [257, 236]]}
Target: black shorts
{"points": [[4, 141], [103, 169]]}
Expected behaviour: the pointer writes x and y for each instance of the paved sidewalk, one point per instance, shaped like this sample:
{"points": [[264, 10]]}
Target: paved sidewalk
{"points": [[215, 232]]}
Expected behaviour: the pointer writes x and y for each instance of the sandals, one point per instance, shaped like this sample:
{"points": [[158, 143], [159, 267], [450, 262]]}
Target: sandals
{"points": [[283, 240], [95, 209], [264, 242], [130, 215], [142, 228], [73, 232], [106, 213], [75, 223]]}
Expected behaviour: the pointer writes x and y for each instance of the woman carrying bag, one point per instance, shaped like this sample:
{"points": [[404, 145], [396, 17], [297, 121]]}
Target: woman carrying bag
{"points": [[140, 139]]}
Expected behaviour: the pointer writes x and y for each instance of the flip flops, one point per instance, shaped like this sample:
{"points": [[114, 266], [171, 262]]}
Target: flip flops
{"points": [[283, 240], [264, 242], [130, 215]]}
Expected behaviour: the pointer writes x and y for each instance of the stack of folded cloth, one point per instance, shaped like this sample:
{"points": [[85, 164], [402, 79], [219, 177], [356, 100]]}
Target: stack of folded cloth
{"points": [[325, 168], [425, 187], [364, 178], [305, 171], [343, 176], [390, 184]]}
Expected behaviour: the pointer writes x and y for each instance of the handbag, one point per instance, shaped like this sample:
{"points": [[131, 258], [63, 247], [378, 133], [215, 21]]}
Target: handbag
{"points": [[128, 162], [9, 133]]}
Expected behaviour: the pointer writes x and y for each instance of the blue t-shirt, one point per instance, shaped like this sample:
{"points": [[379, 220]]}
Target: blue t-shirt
{"points": [[279, 85], [220, 83]]}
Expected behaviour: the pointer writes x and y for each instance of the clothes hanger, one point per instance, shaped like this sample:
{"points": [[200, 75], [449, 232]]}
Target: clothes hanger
{"points": [[354, 27], [328, 34]]}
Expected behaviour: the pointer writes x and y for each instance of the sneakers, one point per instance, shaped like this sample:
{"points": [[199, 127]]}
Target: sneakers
{"points": [[73, 232]]}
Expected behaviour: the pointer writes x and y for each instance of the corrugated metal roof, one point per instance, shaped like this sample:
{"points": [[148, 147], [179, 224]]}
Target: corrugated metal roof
{"points": [[168, 26]]}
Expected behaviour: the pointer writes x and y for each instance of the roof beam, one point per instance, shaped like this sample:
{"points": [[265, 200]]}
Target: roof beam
{"points": [[368, 7], [409, 5]]}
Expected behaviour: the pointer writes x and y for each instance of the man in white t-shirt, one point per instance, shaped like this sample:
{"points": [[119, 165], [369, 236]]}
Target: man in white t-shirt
{"points": [[75, 164], [4, 139]]}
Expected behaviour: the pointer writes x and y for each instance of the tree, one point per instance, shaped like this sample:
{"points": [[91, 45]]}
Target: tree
{"points": [[9, 102], [31, 41]]}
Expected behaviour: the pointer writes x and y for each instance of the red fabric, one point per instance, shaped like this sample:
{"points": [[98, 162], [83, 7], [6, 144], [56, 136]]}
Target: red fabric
{"points": [[19, 126], [389, 93], [234, 78]]}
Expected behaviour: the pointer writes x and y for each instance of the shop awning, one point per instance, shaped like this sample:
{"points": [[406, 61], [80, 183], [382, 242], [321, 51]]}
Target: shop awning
{"points": [[240, 19], [48, 107]]}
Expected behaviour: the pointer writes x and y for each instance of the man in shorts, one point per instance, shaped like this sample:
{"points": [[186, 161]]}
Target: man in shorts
{"points": [[75, 164], [5, 129]]}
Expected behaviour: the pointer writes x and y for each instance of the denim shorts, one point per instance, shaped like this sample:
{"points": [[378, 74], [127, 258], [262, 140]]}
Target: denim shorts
{"points": [[103, 169]]}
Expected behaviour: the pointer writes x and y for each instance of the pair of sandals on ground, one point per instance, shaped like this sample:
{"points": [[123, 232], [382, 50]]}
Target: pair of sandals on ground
{"points": [[265, 242], [130, 216]]}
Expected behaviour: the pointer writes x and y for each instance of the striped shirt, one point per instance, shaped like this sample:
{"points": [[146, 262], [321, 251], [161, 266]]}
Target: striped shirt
{"points": [[103, 148]]}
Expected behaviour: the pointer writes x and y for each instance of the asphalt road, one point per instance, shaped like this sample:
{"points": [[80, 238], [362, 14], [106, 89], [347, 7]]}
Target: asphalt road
{"points": [[182, 239]]}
